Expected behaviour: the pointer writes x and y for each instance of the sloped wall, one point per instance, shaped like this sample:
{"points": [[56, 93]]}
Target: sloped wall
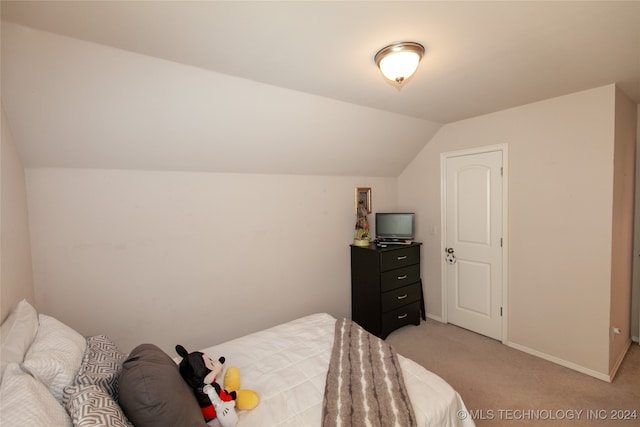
{"points": [[74, 104]]}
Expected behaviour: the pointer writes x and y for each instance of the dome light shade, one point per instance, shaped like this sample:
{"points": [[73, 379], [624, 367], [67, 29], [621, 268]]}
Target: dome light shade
{"points": [[399, 61]]}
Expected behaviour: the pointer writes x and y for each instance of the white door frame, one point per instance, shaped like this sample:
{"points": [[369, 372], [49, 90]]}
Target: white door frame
{"points": [[505, 229]]}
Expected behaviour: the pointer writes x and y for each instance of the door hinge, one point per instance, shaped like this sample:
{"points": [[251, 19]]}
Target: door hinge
{"points": [[500, 311], [501, 171], [501, 242]]}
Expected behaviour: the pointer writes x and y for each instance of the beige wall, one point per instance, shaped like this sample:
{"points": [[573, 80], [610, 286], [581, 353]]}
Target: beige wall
{"points": [[16, 281], [560, 221], [191, 258], [622, 245], [635, 292]]}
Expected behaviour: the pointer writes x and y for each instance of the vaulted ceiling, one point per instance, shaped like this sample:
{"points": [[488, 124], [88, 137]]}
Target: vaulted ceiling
{"points": [[288, 86]]}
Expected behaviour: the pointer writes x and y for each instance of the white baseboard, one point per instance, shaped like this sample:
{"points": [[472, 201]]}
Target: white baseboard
{"points": [[635, 339], [614, 370], [436, 318], [561, 362]]}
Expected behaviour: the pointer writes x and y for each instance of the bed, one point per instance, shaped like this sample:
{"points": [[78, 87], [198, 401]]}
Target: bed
{"points": [[53, 376]]}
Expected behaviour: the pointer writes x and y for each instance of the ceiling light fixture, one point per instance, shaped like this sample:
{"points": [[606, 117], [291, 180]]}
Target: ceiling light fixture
{"points": [[399, 61]]}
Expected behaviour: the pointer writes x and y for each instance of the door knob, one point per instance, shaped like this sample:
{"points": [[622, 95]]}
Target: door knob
{"points": [[450, 257]]}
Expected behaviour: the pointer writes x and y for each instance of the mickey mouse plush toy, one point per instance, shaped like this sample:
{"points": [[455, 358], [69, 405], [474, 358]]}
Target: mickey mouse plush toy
{"points": [[200, 372]]}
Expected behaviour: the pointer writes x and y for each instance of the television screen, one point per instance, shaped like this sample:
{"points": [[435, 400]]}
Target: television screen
{"points": [[392, 225]]}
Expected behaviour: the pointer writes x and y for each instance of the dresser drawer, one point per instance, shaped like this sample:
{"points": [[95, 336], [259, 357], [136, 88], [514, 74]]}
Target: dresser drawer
{"points": [[406, 315], [401, 296], [398, 258], [400, 277]]}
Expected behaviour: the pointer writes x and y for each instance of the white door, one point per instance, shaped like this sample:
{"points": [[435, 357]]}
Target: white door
{"points": [[473, 271]]}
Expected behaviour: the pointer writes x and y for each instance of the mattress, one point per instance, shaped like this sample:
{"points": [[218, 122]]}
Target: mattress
{"points": [[287, 366]]}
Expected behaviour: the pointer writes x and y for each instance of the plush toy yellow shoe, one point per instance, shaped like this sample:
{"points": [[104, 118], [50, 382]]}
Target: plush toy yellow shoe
{"points": [[245, 399], [232, 379]]}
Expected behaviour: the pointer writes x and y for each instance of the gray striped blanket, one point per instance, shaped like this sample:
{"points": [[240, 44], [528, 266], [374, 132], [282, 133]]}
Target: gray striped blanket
{"points": [[364, 386]]}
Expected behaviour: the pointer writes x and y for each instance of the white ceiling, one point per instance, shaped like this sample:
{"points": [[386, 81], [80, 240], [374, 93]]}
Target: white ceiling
{"points": [[481, 56]]}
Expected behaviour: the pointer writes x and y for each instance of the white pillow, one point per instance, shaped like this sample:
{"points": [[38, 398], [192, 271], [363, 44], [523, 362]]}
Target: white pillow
{"points": [[55, 356], [16, 334], [26, 402]]}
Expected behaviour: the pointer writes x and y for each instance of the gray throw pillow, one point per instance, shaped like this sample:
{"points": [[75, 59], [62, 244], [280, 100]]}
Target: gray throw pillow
{"points": [[152, 392]]}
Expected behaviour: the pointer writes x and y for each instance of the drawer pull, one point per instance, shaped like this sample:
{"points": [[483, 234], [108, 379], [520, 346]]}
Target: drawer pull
{"points": [[400, 258], [402, 277], [402, 316], [402, 296]]}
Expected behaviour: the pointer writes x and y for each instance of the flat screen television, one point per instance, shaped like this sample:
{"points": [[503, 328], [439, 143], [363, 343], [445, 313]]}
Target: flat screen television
{"points": [[395, 226]]}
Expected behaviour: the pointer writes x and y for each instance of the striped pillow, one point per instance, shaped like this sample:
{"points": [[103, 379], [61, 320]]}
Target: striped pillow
{"points": [[90, 406], [101, 366], [92, 398]]}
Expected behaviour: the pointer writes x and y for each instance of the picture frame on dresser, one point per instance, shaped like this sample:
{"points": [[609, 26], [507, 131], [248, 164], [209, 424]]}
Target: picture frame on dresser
{"points": [[363, 194]]}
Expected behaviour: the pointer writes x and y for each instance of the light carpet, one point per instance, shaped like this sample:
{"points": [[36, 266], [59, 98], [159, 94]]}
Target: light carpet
{"points": [[502, 386]]}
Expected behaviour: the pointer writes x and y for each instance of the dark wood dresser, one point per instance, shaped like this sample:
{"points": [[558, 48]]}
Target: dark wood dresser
{"points": [[386, 290]]}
